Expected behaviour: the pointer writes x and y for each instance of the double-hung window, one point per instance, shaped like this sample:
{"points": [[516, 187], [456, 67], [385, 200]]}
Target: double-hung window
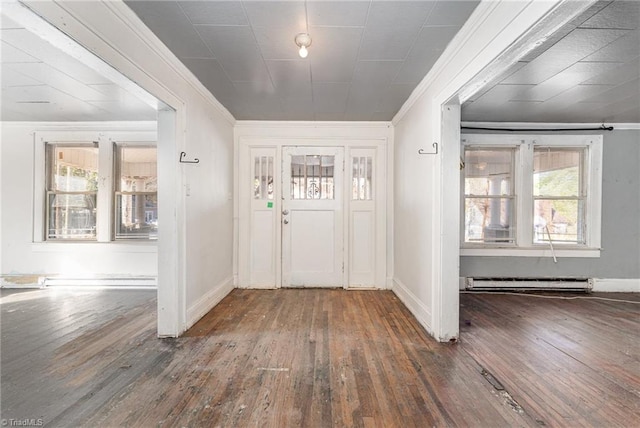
{"points": [[72, 188], [136, 196], [524, 194], [100, 191]]}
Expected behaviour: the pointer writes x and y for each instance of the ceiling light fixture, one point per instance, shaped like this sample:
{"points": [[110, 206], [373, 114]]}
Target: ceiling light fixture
{"points": [[303, 40]]}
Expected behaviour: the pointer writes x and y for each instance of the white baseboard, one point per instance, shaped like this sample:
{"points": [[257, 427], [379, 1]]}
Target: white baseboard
{"points": [[415, 306], [619, 285], [208, 301], [95, 282]]}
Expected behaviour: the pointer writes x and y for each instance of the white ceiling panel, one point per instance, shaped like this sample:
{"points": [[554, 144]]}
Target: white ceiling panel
{"points": [[618, 14], [276, 13], [623, 49], [337, 13], [579, 44], [363, 100], [393, 97], [569, 77], [12, 54], [392, 28], [13, 78], [253, 40], [448, 12], [214, 12], [618, 75], [618, 93], [375, 73], [168, 21], [278, 42], [330, 97]]}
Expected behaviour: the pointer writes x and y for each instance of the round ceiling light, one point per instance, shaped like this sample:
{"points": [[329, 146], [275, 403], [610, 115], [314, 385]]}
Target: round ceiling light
{"points": [[303, 40]]}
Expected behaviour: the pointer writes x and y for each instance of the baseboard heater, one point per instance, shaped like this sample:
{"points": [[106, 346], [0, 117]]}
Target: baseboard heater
{"points": [[516, 284]]}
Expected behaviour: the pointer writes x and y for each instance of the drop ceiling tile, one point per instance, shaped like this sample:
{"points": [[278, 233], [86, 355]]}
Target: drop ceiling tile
{"points": [[414, 69], [391, 29], [12, 78], [63, 82], [288, 71], [333, 117], [579, 44], [501, 93], [9, 53], [229, 42], [171, 25], [358, 116], [394, 97], [330, 97], [622, 74], [7, 23], [329, 64], [448, 12], [278, 43], [214, 12], [276, 13], [618, 93], [337, 13], [571, 76], [574, 95], [621, 50], [132, 109], [375, 74], [362, 100], [259, 99], [298, 103], [213, 77], [618, 14], [382, 116]]}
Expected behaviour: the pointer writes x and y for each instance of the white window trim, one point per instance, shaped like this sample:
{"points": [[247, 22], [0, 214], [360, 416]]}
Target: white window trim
{"points": [[525, 144], [106, 141]]}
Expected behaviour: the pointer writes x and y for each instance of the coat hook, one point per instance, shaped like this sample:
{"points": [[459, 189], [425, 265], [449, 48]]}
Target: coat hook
{"points": [[422, 152], [183, 154]]}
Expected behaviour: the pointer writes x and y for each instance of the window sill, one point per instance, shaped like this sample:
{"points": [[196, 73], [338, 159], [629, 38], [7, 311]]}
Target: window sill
{"points": [[531, 252], [118, 247]]}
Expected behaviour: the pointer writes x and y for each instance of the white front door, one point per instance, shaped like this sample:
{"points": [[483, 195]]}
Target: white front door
{"points": [[312, 217]]}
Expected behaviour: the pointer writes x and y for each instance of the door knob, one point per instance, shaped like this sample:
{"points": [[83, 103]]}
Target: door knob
{"points": [[285, 212], [285, 221]]}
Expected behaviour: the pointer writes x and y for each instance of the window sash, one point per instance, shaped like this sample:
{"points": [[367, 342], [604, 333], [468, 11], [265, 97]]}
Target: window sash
{"points": [[72, 234]]}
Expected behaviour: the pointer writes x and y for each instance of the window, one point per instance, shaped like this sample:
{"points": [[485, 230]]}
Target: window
{"points": [[531, 192], [362, 169], [263, 177], [312, 177], [136, 197], [96, 191], [72, 187]]}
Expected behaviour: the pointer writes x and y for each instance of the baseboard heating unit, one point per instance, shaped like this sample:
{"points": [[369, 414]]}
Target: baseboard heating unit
{"points": [[522, 284]]}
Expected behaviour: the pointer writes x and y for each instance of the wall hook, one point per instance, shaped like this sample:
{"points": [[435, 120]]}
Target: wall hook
{"points": [[422, 152], [183, 154]]}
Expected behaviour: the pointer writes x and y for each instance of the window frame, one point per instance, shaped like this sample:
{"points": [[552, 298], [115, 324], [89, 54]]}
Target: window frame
{"points": [[524, 194]]}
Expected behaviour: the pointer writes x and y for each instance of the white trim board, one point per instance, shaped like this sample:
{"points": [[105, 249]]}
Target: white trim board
{"points": [[208, 301], [415, 306], [616, 285]]}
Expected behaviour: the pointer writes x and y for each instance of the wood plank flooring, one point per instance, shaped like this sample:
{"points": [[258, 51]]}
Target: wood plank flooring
{"points": [[317, 358]]}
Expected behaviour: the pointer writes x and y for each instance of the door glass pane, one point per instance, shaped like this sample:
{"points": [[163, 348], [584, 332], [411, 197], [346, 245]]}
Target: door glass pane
{"points": [[312, 177], [263, 177], [557, 172], [361, 187]]}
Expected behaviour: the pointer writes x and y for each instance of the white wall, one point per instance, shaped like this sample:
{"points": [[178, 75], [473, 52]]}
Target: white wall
{"points": [[195, 201], [426, 187], [25, 258]]}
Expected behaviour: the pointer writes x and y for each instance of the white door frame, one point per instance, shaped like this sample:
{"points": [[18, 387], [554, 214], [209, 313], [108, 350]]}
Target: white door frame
{"points": [[243, 232]]}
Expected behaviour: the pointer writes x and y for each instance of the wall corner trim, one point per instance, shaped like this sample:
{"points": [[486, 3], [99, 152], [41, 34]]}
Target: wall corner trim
{"points": [[415, 306], [208, 301]]}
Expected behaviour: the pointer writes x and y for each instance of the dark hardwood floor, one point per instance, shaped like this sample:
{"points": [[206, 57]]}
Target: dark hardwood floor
{"points": [[318, 358]]}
